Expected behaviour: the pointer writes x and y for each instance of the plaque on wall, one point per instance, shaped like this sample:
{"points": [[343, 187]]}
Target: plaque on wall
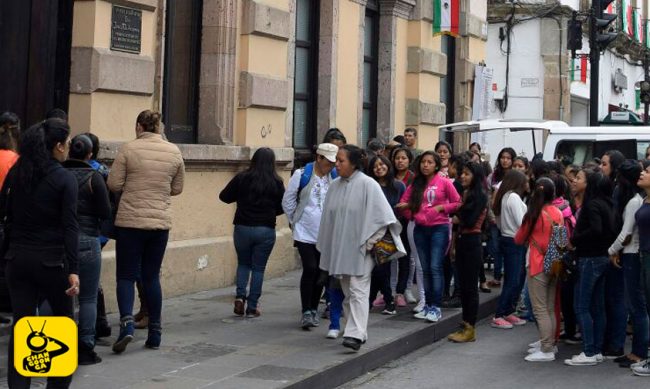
{"points": [[126, 29]]}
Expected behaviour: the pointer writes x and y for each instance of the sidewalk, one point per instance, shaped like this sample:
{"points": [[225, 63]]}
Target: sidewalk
{"points": [[206, 346]]}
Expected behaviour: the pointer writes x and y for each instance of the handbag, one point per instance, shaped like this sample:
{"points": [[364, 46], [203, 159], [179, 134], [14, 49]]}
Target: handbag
{"points": [[385, 249], [557, 248]]}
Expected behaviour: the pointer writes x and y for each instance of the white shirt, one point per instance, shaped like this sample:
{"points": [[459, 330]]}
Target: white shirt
{"points": [[629, 228], [513, 210], [306, 230]]}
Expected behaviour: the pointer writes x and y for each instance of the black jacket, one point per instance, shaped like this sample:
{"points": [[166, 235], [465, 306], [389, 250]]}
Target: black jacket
{"points": [[596, 229], [253, 210], [45, 219], [93, 203]]}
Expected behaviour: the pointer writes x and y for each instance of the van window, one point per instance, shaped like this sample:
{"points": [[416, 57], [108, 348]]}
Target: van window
{"points": [[577, 151], [641, 147]]}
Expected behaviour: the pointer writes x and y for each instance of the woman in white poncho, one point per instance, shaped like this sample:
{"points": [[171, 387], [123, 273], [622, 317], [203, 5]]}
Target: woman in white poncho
{"points": [[356, 215]]}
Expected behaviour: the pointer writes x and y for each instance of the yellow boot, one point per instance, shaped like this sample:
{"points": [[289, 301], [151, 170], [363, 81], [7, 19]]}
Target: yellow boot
{"points": [[464, 335]]}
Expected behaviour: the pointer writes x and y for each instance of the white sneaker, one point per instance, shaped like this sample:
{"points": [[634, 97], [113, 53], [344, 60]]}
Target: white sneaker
{"points": [[418, 308], [540, 356], [643, 370], [535, 349], [408, 295], [333, 334], [422, 314], [536, 344], [599, 358], [639, 364], [433, 315], [581, 360]]}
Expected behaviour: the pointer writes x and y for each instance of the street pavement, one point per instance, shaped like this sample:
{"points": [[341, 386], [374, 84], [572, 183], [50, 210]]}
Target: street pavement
{"points": [[494, 361], [206, 346]]}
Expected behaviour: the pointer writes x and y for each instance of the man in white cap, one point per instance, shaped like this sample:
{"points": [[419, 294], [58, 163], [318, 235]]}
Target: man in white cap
{"points": [[303, 204]]}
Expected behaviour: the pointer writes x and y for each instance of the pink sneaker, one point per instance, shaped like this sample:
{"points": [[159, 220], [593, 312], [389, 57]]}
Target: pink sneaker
{"points": [[515, 321], [379, 301], [400, 300], [499, 322]]}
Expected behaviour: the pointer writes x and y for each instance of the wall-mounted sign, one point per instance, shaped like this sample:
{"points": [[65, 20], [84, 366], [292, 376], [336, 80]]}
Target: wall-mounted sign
{"points": [[529, 82], [126, 29]]}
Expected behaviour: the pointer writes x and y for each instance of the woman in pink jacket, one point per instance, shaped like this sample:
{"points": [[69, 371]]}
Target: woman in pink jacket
{"points": [[429, 201], [536, 232]]}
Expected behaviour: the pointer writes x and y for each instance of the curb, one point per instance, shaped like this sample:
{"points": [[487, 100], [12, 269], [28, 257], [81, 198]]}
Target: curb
{"points": [[339, 374]]}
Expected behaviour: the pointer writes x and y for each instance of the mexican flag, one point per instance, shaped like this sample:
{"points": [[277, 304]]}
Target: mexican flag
{"points": [[446, 17], [647, 34], [638, 27], [579, 69], [611, 8], [626, 16]]}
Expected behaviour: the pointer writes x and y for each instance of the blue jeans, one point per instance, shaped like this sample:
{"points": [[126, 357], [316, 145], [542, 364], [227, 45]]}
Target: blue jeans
{"points": [[139, 257], [514, 261], [590, 302], [616, 318], [432, 244], [90, 265], [495, 251], [635, 303], [253, 246], [336, 298]]}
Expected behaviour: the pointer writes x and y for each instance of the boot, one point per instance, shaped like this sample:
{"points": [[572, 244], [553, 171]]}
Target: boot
{"points": [[464, 335], [142, 323], [143, 305], [126, 334], [87, 356], [102, 329], [154, 337]]}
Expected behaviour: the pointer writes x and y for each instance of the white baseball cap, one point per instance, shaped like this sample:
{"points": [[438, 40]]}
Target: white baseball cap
{"points": [[328, 151]]}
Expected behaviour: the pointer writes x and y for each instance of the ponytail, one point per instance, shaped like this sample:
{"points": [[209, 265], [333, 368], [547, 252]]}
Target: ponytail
{"points": [[543, 193]]}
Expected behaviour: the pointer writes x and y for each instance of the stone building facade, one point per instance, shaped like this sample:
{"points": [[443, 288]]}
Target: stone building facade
{"points": [[233, 75]]}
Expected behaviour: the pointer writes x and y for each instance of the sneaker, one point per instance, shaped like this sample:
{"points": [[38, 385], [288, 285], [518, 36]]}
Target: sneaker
{"points": [[418, 308], [408, 295], [333, 334], [401, 301], [536, 349], [540, 356], [239, 307], [643, 370], [125, 337], [625, 362], [433, 315], [422, 314], [352, 343], [314, 316], [581, 360], [390, 309], [599, 358], [571, 339], [103, 331], [87, 356], [499, 322], [379, 301], [613, 354], [307, 321], [153, 339], [251, 313], [515, 321], [535, 344], [325, 314]]}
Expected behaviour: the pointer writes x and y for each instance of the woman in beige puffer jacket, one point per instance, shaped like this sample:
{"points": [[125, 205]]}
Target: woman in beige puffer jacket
{"points": [[147, 172]]}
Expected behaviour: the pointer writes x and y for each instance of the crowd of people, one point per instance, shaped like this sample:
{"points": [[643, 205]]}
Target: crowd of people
{"points": [[372, 226], [439, 210], [59, 206]]}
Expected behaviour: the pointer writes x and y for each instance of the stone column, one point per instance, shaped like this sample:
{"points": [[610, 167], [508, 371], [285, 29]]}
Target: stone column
{"points": [[218, 80], [389, 12], [327, 66]]}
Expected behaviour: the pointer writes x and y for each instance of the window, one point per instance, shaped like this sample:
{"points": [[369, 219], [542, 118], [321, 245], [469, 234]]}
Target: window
{"points": [[182, 64], [306, 75], [370, 73]]}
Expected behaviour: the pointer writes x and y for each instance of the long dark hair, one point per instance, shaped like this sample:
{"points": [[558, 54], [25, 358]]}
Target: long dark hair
{"points": [[9, 131], [443, 143], [616, 159], [599, 186], [36, 147], [334, 134], [543, 194], [420, 181], [390, 173], [401, 149], [261, 173], [514, 181], [499, 171], [475, 195], [628, 175]]}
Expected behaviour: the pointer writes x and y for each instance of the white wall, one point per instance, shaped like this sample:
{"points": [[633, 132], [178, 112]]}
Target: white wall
{"points": [[525, 99]]}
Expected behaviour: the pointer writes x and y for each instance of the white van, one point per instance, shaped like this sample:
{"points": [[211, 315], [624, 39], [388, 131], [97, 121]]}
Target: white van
{"points": [[582, 144]]}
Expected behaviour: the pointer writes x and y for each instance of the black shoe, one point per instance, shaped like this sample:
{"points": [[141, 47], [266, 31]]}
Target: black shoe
{"points": [[624, 362], [352, 343], [88, 356], [453, 302], [390, 309], [102, 332], [613, 354]]}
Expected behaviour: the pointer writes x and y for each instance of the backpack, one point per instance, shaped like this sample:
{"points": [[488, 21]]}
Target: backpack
{"points": [[307, 172], [557, 246]]}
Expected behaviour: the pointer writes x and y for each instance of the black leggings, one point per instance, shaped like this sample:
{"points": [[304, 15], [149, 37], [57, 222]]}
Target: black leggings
{"points": [[28, 279], [567, 289], [404, 263], [468, 260], [310, 288], [380, 281]]}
